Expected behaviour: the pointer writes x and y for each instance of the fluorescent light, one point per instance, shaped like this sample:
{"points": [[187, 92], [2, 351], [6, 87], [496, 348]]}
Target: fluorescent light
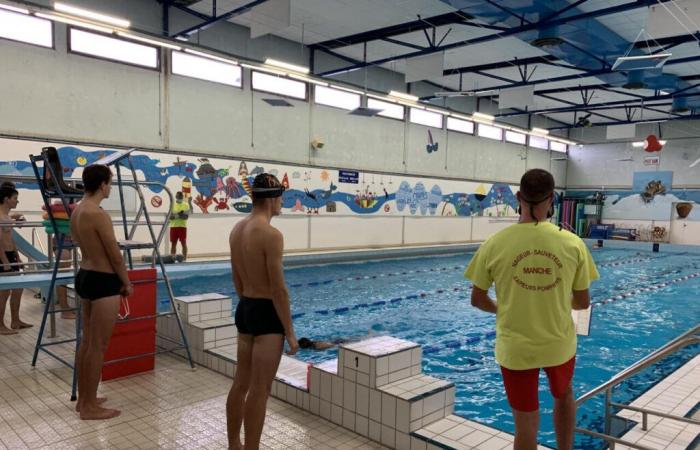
{"points": [[14, 8], [663, 92], [77, 23], [148, 41], [662, 142], [284, 65], [439, 111], [343, 88], [207, 55], [637, 144], [539, 131], [564, 141], [404, 96], [265, 69], [482, 116], [308, 80], [91, 15]]}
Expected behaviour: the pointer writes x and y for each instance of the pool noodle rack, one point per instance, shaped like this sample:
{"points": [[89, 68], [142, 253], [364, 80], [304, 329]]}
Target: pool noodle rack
{"points": [[573, 216], [44, 171]]}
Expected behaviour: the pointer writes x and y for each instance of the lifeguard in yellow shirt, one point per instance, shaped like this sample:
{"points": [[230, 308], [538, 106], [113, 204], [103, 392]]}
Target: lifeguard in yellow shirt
{"points": [[178, 225], [541, 273]]}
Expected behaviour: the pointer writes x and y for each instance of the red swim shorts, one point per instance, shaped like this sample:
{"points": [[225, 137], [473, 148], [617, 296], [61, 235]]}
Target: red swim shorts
{"points": [[521, 385], [178, 234]]}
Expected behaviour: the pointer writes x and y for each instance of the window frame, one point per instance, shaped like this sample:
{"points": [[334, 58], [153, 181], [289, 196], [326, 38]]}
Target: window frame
{"points": [[447, 126], [488, 137], [442, 118], [524, 135], [379, 114], [529, 142], [566, 147], [316, 86], [241, 87], [159, 57], [307, 90], [53, 32]]}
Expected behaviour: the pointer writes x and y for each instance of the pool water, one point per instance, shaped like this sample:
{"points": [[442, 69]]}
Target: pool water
{"points": [[355, 300]]}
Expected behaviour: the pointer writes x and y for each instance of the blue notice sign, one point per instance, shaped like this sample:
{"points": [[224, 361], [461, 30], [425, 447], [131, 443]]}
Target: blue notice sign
{"points": [[348, 176]]}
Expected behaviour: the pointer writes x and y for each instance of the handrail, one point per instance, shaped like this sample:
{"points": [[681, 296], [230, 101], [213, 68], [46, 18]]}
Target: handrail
{"points": [[688, 338], [643, 363]]}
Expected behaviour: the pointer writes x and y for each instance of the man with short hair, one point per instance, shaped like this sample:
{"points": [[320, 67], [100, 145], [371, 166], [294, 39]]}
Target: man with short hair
{"points": [[101, 282], [9, 260], [536, 267], [178, 225], [263, 316]]}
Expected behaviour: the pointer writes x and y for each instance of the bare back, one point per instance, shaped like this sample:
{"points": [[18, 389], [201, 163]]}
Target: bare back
{"points": [[89, 226], [250, 252]]}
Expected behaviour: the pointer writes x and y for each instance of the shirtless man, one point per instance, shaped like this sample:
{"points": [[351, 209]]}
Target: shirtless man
{"points": [[263, 316], [9, 259], [100, 283]]}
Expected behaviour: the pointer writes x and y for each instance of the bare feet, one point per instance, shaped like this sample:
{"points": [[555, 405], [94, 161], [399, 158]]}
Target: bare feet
{"points": [[236, 446], [20, 325], [100, 400], [98, 413], [4, 331], [68, 315]]}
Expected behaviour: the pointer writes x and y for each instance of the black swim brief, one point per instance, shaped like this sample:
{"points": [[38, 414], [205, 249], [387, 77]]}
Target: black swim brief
{"points": [[13, 257], [92, 285], [257, 316]]}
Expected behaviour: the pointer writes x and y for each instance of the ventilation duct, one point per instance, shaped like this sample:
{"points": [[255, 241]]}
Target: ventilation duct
{"points": [[635, 80], [548, 37]]}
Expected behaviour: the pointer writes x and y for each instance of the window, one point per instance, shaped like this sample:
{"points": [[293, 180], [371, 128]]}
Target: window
{"points": [[490, 132], [389, 109], [278, 85], [206, 69], [115, 49], [336, 97], [23, 28], [539, 142], [558, 146], [515, 137], [427, 118], [463, 126]]}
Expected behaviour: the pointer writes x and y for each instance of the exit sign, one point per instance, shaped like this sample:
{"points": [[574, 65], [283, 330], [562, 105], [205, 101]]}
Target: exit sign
{"points": [[651, 160]]}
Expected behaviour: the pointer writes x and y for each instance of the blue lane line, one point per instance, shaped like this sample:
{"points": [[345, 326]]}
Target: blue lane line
{"points": [[651, 288]]}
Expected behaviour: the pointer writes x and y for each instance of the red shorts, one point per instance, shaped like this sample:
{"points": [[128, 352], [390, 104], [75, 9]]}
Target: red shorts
{"points": [[521, 385], [178, 234]]}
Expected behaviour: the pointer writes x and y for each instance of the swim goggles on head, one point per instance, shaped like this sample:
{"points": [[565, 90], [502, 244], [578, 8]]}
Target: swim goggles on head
{"points": [[268, 192]]}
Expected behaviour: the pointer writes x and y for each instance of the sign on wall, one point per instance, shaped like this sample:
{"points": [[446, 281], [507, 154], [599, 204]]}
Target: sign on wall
{"points": [[652, 160]]}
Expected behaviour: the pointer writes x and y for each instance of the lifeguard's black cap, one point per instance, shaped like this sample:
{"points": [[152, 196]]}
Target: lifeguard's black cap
{"points": [[266, 185]]}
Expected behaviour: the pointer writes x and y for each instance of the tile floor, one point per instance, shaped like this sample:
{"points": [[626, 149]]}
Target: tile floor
{"points": [[171, 407]]}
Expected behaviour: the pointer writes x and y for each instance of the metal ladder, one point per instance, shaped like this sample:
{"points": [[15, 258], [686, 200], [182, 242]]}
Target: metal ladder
{"points": [[119, 159]]}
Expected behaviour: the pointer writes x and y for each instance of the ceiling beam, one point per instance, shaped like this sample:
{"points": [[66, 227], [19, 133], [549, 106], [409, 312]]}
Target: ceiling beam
{"points": [[211, 21], [604, 124], [516, 30], [503, 64]]}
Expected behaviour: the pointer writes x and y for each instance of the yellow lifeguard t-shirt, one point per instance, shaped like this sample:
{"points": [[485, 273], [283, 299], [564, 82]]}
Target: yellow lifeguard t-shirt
{"points": [[177, 208], [535, 267]]}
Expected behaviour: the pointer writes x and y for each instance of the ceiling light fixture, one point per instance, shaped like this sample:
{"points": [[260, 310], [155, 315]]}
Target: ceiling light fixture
{"points": [[637, 144], [308, 80], [404, 96], [62, 7], [285, 65], [14, 9], [488, 117], [77, 23], [148, 41], [539, 131]]}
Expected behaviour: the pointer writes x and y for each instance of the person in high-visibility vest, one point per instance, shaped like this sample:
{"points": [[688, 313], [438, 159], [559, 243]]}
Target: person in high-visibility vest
{"points": [[178, 224]]}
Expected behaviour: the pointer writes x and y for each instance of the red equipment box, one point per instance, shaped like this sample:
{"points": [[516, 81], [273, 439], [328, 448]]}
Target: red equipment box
{"points": [[133, 338]]}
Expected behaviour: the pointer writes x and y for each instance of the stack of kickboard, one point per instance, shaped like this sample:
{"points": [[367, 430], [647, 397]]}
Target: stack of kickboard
{"points": [[60, 215], [572, 214]]}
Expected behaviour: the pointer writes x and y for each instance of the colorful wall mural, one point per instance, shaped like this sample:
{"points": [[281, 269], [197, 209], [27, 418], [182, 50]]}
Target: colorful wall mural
{"points": [[218, 185]]}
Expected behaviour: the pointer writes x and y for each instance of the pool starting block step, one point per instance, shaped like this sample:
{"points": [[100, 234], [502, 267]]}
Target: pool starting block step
{"points": [[203, 307]]}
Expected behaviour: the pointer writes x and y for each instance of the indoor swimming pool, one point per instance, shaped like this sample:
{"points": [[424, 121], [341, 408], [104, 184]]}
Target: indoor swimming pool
{"points": [[426, 300]]}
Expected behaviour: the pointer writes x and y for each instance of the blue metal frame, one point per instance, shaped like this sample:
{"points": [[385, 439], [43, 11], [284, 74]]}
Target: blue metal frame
{"points": [[211, 21]]}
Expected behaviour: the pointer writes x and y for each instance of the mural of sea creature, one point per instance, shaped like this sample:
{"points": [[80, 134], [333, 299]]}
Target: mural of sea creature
{"points": [[206, 169], [654, 188], [327, 194], [420, 199], [325, 176], [243, 170], [480, 192], [203, 203], [220, 203], [244, 207], [386, 194], [232, 189], [403, 195], [309, 194], [257, 170], [285, 181], [431, 146], [298, 206], [296, 175], [219, 184], [366, 199], [224, 172], [434, 199], [312, 211], [81, 160]]}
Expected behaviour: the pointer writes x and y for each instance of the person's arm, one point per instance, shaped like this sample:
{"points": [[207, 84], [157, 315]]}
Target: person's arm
{"points": [[274, 247], [581, 299], [105, 231], [237, 282], [482, 301], [323, 345]]}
